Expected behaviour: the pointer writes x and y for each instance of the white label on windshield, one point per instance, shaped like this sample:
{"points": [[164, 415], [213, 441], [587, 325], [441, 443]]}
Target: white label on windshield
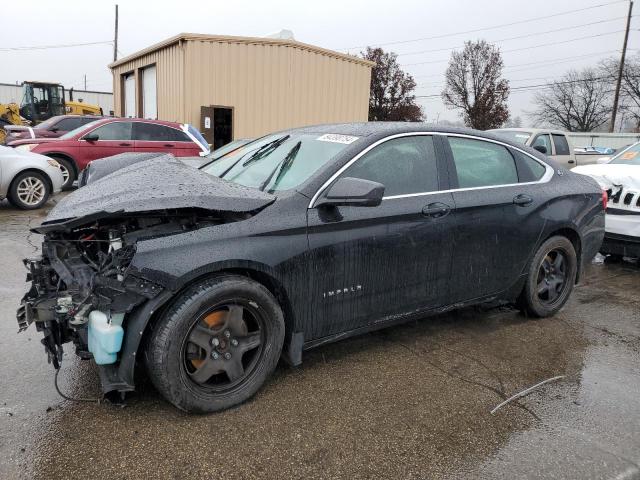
{"points": [[337, 138], [520, 135]]}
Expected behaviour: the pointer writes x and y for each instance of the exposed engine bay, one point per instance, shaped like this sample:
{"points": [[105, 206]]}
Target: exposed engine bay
{"points": [[82, 287]]}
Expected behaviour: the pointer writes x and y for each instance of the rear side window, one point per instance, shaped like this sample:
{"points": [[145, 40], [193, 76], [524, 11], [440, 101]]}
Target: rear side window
{"points": [[68, 124], [114, 131], [482, 164], [543, 140], [158, 133], [529, 170], [403, 165], [562, 147]]}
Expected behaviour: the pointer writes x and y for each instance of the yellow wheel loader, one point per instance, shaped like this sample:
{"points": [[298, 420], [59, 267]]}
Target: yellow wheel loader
{"points": [[40, 101]]}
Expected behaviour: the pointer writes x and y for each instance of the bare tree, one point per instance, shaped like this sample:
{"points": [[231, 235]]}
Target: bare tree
{"points": [[629, 88], [513, 122], [391, 96], [475, 85], [578, 102]]}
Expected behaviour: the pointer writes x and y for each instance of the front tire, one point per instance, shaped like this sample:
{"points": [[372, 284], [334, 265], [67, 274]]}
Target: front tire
{"points": [[551, 277], [68, 171], [216, 345], [29, 190]]}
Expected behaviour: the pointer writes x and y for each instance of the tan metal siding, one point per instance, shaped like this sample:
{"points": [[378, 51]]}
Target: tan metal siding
{"points": [[170, 81], [270, 86]]}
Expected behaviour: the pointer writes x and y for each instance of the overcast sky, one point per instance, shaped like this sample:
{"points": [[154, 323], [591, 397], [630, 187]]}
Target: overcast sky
{"points": [[331, 24]]}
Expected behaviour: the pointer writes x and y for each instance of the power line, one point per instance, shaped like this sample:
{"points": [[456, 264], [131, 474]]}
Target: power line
{"points": [[527, 48], [535, 34], [45, 47], [519, 22], [538, 86]]}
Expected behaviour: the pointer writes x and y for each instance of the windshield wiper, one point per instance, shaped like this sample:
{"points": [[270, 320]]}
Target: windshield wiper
{"points": [[283, 167], [258, 154]]}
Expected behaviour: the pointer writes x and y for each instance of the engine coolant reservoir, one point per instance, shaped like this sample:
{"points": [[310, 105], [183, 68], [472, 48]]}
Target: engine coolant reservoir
{"points": [[105, 337]]}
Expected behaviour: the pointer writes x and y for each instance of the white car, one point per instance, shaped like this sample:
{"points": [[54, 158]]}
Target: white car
{"points": [[28, 179], [620, 177]]}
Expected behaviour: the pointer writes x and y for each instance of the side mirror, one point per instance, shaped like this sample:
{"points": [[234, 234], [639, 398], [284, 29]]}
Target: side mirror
{"points": [[355, 192], [91, 137], [540, 148], [53, 129]]}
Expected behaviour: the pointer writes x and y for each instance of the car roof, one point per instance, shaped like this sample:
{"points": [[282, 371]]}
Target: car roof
{"points": [[141, 120], [529, 130]]}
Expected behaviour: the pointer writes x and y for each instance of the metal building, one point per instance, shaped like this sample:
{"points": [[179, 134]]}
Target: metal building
{"points": [[235, 87]]}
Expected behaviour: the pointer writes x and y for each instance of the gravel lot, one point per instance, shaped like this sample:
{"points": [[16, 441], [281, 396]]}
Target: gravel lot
{"points": [[408, 402]]}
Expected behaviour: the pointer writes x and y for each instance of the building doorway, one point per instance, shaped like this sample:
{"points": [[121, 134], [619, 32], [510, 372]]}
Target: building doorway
{"points": [[216, 125]]}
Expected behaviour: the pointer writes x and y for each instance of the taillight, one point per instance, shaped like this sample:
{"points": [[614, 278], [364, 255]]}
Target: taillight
{"points": [[605, 199]]}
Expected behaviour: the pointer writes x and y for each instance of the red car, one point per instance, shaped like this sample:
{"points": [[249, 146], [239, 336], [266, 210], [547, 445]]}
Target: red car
{"points": [[111, 136], [52, 128]]}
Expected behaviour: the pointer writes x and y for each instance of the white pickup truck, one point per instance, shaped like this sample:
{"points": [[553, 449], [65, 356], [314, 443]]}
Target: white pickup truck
{"points": [[553, 143]]}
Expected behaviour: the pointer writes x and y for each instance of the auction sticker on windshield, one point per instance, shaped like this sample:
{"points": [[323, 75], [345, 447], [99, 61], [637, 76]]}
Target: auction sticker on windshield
{"points": [[337, 138]]}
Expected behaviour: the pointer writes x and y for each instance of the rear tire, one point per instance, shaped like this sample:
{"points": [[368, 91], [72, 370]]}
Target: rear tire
{"points": [[551, 278], [68, 171], [216, 345], [29, 190]]}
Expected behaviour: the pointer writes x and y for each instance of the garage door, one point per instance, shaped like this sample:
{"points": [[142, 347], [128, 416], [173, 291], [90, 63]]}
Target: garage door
{"points": [[149, 94], [129, 95]]}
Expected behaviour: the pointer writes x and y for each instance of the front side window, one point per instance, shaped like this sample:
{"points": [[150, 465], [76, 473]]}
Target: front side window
{"points": [[482, 164], [403, 165], [114, 131], [543, 141], [279, 162], [562, 146]]}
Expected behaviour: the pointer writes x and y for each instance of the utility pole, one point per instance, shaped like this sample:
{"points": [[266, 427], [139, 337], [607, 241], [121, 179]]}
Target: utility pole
{"points": [[115, 38], [616, 94], [85, 81]]}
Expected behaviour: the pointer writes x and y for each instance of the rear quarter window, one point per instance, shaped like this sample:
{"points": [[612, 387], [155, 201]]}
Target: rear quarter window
{"points": [[529, 170]]}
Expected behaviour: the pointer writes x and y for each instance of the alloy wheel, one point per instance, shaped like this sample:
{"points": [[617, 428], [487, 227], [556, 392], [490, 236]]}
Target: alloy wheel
{"points": [[552, 276], [31, 191], [224, 346]]}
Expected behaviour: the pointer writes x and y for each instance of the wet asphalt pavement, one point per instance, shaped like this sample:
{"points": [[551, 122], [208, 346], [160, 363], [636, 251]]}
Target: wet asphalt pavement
{"points": [[407, 402]]}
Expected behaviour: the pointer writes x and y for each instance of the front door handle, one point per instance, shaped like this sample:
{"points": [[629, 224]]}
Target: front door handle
{"points": [[522, 200], [169, 145], [124, 144], [436, 210]]}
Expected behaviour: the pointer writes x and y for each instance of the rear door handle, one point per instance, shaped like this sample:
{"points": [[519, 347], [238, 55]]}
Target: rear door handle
{"points": [[169, 145], [522, 200], [436, 210], [124, 144]]}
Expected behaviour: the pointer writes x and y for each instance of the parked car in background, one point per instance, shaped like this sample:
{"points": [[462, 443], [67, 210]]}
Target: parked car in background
{"points": [[553, 143], [110, 136], [51, 128], [620, 177], [297, 239], [28, 179], [102, 167]]}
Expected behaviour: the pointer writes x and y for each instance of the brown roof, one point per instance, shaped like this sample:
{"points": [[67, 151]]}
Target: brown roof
{"points": [[247, 40]]}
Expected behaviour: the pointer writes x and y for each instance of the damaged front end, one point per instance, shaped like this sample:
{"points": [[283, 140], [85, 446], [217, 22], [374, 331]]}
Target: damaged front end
{"points": [[84, 291]]}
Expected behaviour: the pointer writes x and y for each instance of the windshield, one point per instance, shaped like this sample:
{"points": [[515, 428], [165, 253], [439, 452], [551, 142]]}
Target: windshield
{"points": [[513, 135], [278, 162], [75, 131], [229, 147], [630, 156]]}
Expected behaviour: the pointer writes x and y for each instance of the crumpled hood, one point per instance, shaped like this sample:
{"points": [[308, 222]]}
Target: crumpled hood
{"points": [[612, 175], [156, 184]]}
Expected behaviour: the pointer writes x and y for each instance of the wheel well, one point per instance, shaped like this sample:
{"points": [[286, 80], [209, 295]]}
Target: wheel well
{"points": [[66, 157], [35, 170], [574, 238]]}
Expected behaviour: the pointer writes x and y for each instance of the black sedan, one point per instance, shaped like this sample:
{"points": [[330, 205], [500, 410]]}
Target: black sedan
{"points": [[297, 239]]}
